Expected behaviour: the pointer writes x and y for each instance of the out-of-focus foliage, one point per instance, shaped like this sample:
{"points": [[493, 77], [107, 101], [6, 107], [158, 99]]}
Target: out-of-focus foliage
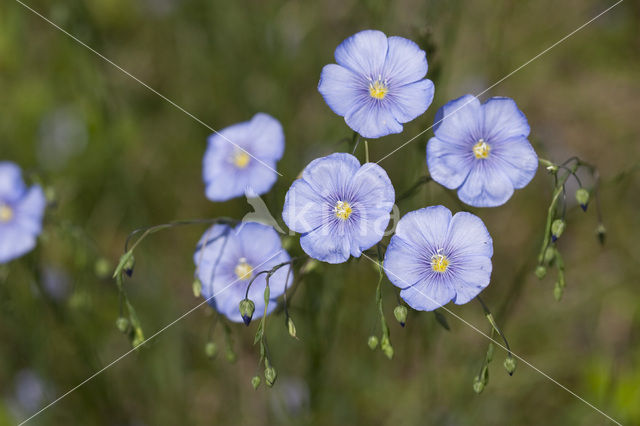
{"points": [[120, 157]]}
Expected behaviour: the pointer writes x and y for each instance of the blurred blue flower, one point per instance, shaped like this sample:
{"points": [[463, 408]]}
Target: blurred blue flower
{"points": [[377, 84], [435, 258], [339, 207], [247, 163], [21, 212], [482, 150], [227, 259]]}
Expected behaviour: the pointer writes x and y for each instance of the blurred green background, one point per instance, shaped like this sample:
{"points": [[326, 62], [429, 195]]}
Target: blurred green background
{"points": [[119, 157]]}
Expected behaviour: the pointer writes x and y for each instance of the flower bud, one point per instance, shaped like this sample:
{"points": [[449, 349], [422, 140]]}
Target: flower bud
{"points": [[231, 355], [602, 233], [372, 342], [549, 254], [541, 271], [197, 287], [128, 266], [255, 382], [247, 307], [557, 228], [400, 312], [386, 347], [211, 350], [582, 196], [122, 324], [478, 385], [510, 365], [291, 327], [309, 266], [138, 338], [557, 292], [270, 375], [102, 268]]}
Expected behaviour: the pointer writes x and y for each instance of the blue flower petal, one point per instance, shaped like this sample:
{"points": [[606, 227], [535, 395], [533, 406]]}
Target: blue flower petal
{"points": [[30, 210], [11, 184], [517, 159], [468, 236], [405, 62], [486, 186], [341, 88], [460, 121], [411, 100], [302, 211], [402, 265], [266, 137], [472, 278], [15, 242], [372, 119], [428, 296], [330, 174], [503, 120], [449, 164], [363, 52], [425, 228], [324, 245]]}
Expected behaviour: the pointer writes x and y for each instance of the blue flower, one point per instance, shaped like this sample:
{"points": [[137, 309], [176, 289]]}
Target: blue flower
{"points": [[21, 212], [481, 150], [435, 258], [377, 84], [339, 207], [231, 258], [241, 159]]}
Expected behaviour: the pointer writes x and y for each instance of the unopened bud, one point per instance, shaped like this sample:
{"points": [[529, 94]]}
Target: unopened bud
{"points": [[128, 266], [255, 382], [582, 196], [478, 385], [122, 324], [549, 254], [557, 228], [602, 233], [247, 308], [372, 342], [309, 266], [270, 376], [138, 338], [102, 268], [211, 349], [400, 312], [231, 355], [510, 365], [541, 271], [557, 292], [197, 287], [386, 347], [291, 327]]}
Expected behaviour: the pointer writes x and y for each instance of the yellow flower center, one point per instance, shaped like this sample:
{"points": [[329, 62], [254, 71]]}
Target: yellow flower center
{"points": [[342, 210], [439, 262], [481, 149], [378, 89], [6, 213], [243, 270], [241, 159]]}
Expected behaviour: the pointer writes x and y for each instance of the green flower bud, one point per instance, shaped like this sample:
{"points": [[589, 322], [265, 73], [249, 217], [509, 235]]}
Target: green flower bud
{"points": [[400, 312], [510, 365], [247, 308], [478, 385], [211, 349], [122, 324], [386, 347], [557, 292], [372, 342], [582, 196], [602, 233], [309, 266], [291, 327], [255, 382], [138, 338], [231, 355], [270, 375], [197, 287], [549, 254], [128, 266], [557, 228], [541, 271]]}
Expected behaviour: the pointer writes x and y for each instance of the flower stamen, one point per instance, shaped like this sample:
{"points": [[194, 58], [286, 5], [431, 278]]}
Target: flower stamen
{"points": [[481, 149], [439, 262], [243, 270], [342, 210], [378, 89], [241, 159], [6, 213]]}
